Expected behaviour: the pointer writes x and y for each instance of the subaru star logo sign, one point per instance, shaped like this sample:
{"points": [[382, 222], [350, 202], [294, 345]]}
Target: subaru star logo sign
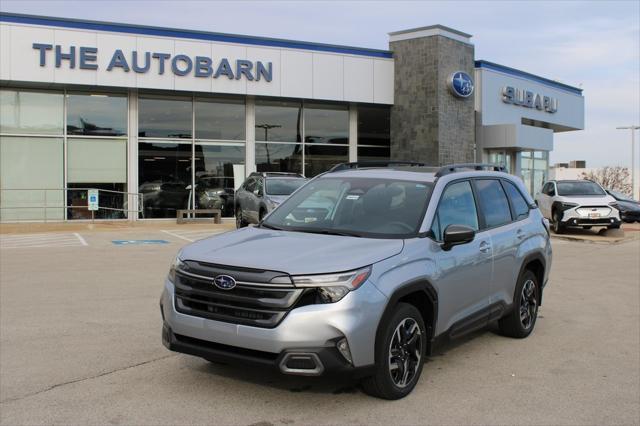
{"points": [[224, 282], [460, 84]]}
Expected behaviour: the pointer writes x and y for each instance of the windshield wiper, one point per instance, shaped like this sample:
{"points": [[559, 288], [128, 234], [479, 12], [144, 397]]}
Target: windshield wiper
{"points": [[326, 231], [264, 225]]}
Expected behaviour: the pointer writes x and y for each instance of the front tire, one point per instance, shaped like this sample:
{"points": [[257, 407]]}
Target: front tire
{"points": [[240, 222], [519, 323], [399, 354], [556, 224]]}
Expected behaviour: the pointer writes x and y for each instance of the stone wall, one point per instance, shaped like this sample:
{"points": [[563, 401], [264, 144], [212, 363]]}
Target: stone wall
{"points": [[428, 123]]}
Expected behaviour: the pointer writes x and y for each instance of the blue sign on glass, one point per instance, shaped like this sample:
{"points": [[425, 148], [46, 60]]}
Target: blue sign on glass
{"points": [[138, 242]]}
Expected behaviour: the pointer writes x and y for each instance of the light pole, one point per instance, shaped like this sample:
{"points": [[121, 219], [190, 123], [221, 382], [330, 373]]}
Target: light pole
{"points": [[634, 189]]}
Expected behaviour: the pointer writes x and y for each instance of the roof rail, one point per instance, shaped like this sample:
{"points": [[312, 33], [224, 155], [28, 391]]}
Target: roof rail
{"points": [[375, 164], [283, 174], [452, 168]]}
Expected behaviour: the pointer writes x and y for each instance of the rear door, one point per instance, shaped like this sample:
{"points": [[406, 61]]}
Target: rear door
{"points": [[465, 270]]}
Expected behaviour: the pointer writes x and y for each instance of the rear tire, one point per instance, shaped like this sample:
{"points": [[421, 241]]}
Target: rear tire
{"points": [[519, 323], [400, 354]]}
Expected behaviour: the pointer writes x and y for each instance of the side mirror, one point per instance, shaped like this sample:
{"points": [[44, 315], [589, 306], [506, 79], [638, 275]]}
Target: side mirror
{"points": [[257, 192], [457, 234]]}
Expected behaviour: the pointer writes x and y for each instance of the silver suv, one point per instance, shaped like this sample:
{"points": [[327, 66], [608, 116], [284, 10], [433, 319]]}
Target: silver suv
{"points": [[364, 270], [263, 192]]}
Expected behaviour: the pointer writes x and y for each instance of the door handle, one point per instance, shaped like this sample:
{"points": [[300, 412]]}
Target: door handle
{"points": [[520, 234], [485, 247]]}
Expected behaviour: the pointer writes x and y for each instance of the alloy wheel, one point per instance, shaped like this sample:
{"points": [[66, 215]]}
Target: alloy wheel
{"points": [[405, 352], [528, 304]]}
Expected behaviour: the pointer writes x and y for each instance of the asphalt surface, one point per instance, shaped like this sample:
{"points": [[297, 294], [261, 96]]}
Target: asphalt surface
{"points": [[80, 344]]}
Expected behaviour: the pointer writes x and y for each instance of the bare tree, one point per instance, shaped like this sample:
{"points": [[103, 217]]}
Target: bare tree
{"points": [[615, 178]]}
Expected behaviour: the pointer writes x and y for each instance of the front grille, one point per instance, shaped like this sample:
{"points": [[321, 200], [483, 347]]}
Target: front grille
{"points": [[600, 211], [258, 303]]}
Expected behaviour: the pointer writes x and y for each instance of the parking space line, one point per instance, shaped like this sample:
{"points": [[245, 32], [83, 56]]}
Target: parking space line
{"points": [[177, 236], [82, 240], [41, 241]]}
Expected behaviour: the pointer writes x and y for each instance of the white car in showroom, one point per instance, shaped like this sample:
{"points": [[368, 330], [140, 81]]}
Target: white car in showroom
{"points": [[577, 203]]}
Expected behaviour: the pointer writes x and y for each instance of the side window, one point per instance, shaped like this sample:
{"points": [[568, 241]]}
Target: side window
{"points": [[457, 207], [250, 184], [549, 189], [520, 206], [495, 206]]}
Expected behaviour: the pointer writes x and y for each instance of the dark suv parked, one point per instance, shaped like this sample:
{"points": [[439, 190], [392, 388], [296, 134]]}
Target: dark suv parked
{"points": [[261, 193]]}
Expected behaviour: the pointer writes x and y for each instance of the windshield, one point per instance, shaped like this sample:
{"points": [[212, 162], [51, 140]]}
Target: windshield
{"points": [[569, 189], [620, 196], [362, 207], [283, 186]]}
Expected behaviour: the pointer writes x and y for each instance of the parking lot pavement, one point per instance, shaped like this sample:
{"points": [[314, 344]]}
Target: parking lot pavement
{"points": [[80, 344]]}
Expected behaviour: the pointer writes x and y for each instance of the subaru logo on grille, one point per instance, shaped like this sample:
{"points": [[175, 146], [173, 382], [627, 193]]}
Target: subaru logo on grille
{"points": [[460, 84], [224, 282]]}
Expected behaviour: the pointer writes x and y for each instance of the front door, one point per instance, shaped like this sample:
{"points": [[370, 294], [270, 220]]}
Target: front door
{"points": [[464, 271]]}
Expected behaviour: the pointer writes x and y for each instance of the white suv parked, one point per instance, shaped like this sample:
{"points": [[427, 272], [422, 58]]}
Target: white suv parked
{"points": [[577, 203]]}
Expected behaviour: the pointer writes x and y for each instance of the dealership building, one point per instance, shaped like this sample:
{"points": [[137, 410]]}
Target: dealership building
{"points": [[160, 119]]}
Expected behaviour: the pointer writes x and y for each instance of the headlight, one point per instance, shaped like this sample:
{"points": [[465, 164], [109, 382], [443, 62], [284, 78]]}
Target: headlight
{"points": [[176, 264], [214, 193], [273, 203], [567, 206], [333, 287], [615, 205]]}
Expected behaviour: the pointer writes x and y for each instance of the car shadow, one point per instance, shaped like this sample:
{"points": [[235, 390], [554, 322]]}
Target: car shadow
{"points": [[332, 384], [271, 378]]}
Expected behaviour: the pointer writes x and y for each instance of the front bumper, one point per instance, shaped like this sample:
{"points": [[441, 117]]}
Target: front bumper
{"points": [[313, 329], [572, 217]]}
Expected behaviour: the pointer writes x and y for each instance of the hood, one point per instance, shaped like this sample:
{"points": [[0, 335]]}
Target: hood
{"points": [[292, 252], [628, 205], [586, 200], [278, 199]]}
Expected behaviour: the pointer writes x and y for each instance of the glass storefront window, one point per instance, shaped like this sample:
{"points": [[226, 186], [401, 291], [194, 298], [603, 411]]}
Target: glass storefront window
{"points": [[164, 118], [279, 157], [31, 178], [96, 114], [26, 112], [278, 121], [501, 158], [112, 204], [374, 125], [219, 172], [320, 158], [368, 153], [220, 119], [326, 124], [164, 177], [109, 173], [533, 169]]}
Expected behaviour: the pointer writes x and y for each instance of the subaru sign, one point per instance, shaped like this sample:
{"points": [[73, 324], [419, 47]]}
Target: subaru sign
{"points": [[460, 84], [224, 282], [529, 99]]}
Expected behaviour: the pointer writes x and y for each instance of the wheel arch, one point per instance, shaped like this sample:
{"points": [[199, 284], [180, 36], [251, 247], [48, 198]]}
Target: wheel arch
{"points": [[536, 263], [422, 295]]}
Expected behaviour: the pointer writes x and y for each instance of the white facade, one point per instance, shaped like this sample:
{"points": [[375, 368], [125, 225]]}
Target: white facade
{"points": [[296, 73]]}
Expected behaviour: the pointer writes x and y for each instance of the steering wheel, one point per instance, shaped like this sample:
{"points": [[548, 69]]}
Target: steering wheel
{"points": [[402, 225]]}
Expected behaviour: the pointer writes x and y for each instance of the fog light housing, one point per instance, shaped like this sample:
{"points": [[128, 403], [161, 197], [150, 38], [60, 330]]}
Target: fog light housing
{"points": [[343, 348]]}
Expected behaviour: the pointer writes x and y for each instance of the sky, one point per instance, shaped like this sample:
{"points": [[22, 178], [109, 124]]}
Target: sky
{"points": [[594, 45]]}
